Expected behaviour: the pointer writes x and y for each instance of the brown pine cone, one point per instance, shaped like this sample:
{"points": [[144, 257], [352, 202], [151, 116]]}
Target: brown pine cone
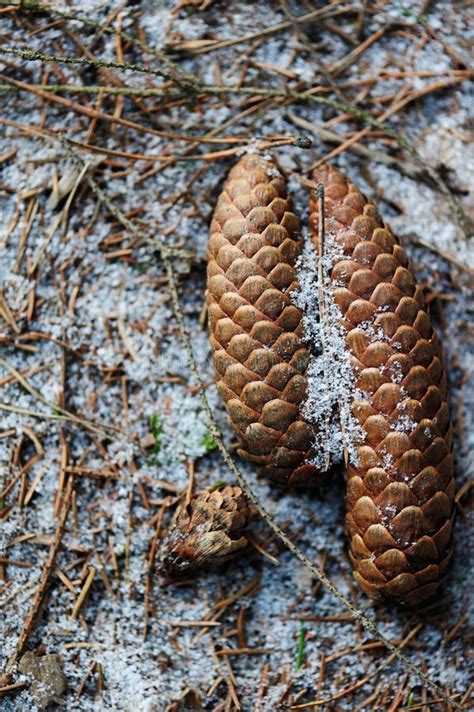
{"points": [[255, 329], [400, 493], [206, 532]]}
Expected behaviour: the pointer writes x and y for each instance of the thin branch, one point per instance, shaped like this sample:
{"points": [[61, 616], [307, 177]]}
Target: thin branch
{"points": [[33, 56]]}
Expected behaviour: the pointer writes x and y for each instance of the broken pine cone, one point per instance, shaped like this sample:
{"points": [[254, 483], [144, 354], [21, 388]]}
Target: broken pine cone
{"points": [[206, 532], [256, 331], [400, 492]]}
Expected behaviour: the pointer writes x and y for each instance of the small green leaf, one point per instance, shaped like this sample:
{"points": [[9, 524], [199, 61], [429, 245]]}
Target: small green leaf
{"points": [[300, 650], [156, 427], [209, 443], [411, 700]]}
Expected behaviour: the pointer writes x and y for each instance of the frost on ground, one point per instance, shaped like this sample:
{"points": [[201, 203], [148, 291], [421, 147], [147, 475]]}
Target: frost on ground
{"points": [[94, 382], [331, 380]]}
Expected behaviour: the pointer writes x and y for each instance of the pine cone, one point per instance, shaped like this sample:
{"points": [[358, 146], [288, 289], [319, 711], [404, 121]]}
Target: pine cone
{"points": [[255, 330], [399, 495], [206, 532]]}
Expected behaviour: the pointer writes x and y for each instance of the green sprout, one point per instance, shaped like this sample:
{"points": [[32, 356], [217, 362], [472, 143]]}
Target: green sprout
{"points": [[156, 427], [410, 699], [300, 650], [209, 443], [29, 4]]}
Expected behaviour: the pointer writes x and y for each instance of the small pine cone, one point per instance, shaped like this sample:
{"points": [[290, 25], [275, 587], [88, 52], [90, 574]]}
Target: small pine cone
{"points": [[400, 494], [206, 532], [255, 331]]}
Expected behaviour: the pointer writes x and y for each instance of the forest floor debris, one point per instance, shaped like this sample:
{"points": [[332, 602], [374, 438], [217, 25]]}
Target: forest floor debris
{"points": [[101, 421]]}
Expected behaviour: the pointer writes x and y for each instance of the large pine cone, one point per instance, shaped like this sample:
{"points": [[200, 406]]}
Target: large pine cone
{"points": [[400, 494], [206, 532], [255, 330]]}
